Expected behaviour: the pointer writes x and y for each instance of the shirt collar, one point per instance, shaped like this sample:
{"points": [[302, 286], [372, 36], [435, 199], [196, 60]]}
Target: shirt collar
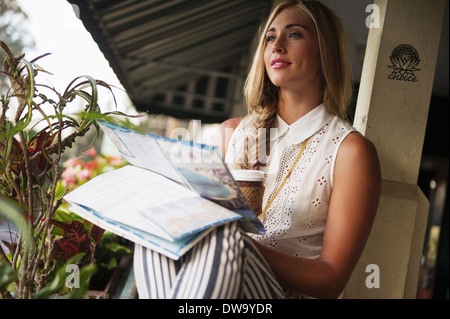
{"points": [[304, 127]]}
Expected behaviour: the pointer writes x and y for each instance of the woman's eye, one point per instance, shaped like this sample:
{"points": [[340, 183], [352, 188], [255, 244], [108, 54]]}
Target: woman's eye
{"points": [[270, 38], [295, 35]]}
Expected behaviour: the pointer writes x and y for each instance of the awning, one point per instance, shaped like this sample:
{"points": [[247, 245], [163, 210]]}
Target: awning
{"points": [[181, 58]]}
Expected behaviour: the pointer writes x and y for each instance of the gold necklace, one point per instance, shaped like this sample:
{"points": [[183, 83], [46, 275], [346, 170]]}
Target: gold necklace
{"points": [[261, 216]]}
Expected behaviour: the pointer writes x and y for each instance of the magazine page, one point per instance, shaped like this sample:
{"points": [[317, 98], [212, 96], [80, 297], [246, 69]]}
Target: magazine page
{"points": [[203, 169], [197, 166], [140, 150], [171, 249], [149, 202]]}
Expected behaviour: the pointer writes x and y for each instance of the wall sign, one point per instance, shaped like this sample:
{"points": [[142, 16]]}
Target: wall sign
{"points": [[404, 59]]}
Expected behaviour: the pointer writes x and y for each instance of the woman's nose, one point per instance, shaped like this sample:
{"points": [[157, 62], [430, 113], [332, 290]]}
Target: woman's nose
{"points": [[278, 46]]}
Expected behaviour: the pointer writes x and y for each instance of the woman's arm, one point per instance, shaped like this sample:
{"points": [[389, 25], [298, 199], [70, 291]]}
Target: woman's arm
{"points": [[353, 205]]}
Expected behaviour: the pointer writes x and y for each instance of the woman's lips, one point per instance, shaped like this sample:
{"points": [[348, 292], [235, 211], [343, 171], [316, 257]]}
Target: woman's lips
{"points": [[279, 63]]}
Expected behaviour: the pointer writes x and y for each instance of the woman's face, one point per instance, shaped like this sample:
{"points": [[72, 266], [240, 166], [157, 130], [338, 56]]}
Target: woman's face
{"points": [[291, 56]]}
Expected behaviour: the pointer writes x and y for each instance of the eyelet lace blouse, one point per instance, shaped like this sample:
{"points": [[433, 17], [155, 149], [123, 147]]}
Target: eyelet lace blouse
{"points": [[295, 221]]}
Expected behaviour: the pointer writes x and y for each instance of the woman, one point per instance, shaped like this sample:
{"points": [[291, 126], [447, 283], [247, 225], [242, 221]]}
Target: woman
{"points": [[299, 83], [322, 177]]}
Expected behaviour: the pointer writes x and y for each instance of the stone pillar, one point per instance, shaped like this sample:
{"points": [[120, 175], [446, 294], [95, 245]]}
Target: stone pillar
{"points": [[392, 110]]}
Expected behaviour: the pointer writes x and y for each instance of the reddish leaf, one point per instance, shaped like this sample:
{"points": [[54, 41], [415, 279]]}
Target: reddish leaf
{"points": [[63, 249], [16, 155], [17, 147], [41, 164], [75, 230], [84, 244], [39, 142], [96, 233], [75, 240]]}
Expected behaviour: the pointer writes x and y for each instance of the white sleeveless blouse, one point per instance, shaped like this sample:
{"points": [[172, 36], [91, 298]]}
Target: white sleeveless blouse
{"points": [[295, 221]]}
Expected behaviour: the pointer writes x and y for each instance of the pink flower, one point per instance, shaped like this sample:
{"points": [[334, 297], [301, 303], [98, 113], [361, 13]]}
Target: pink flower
{"points": [[115, 161], [91, 152], [84, 174], [73, 161], [90, 165], [68, 181], [77, 171], [70, 171], [100, 161]]}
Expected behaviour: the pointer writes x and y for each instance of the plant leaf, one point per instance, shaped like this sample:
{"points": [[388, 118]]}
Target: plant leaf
{"points": [[96, 233], [64, 249], [7, 275], [30, 93], [73, 230], [8, 52]]}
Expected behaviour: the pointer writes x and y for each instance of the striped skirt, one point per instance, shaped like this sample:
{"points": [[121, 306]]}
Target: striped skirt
{"points": [[225, 264]]}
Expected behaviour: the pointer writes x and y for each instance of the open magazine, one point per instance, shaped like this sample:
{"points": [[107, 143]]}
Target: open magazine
{"points": [[171, 195]]}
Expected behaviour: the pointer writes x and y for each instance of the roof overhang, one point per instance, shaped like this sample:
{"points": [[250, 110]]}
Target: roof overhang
{"points": [[177, 57]]}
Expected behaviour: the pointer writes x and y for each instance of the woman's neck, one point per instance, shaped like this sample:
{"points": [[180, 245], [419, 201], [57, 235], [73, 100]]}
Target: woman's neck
{"points": [[292, 105]]}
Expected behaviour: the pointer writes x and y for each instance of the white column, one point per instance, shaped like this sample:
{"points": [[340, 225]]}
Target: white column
{"points": [[392, 110], [393, 103]]}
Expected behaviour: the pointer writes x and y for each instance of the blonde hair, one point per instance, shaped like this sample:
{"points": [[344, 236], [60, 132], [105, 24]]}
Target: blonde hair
{"points": [[262, 96]]}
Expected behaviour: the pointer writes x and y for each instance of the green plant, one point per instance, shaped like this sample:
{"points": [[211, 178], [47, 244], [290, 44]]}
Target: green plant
{"points": [[30, 154], [77, 171]]}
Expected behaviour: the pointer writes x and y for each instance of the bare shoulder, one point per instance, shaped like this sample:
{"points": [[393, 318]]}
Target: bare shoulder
{"points": [[222, 139], [357, 145], [230, 123], [358, 154]]}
